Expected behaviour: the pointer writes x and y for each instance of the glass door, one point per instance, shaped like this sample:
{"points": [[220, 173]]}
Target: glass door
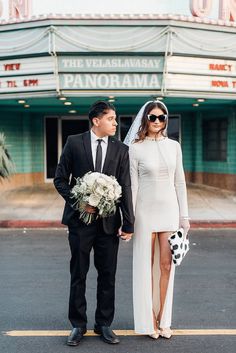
{"points": [[72, 127], [51, 146], [57, 129]]}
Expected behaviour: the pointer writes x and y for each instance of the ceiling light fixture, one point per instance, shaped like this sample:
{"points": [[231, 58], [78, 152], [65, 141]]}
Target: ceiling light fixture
{"points": [[21, 101], [72, 111], [195, 104], [26, 105], [201, 100], [67, 103], [62, 98]]}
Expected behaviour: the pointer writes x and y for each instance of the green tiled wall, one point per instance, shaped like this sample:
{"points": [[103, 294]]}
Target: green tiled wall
{"points": [[24, 137], [25, 140], [187, 141], [191, 131]]}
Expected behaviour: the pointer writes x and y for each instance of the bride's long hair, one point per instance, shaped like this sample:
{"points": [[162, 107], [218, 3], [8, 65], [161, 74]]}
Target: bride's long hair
{"points": [[143, 129]]}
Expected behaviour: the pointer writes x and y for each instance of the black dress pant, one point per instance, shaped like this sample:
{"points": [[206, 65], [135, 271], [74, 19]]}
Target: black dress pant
{"points": [[105, 246]]}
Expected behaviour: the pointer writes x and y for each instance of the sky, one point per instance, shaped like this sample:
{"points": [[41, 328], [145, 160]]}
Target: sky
{"points": [[108, 7]]}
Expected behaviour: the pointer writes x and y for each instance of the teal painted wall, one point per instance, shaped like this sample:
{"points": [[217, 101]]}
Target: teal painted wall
{"points": [[232, 144], [187, 141], [24, 137], [37, 138], [191, 131], [25, 140]]}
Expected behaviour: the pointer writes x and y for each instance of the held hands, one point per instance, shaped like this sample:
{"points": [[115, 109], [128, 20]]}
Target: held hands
{"points": [[125, 236], [184, 223]]}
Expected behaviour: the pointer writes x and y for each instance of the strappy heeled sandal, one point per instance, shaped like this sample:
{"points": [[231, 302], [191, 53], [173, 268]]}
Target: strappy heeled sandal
{"points": [[166, 332], [157, 332], [155, 335]]}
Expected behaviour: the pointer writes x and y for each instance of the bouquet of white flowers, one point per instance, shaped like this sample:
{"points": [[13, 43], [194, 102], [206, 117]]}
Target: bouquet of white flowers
{"points": [[98, 190]]}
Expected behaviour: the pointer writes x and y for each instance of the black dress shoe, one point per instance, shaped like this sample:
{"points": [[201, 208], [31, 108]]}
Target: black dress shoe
{"points": [[106, 334], [76, 336]]}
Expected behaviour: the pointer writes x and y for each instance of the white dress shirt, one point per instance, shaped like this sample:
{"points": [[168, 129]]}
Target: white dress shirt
{"points": [[94, 144]]}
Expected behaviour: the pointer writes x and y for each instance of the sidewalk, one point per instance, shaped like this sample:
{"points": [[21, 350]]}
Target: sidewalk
{"points": [[41, 206]]}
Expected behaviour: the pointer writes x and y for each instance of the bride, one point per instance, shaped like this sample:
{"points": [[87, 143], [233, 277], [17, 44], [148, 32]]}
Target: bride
{"points": [[160, 205]]}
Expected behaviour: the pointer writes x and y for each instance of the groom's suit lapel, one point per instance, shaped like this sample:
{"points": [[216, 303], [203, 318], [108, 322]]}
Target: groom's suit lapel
{"points": [[88, 149], [111, 153]]}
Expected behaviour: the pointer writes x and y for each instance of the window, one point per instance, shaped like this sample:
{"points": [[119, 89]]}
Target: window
{"points": [[215, 139], [57, 129], [73, 127]]}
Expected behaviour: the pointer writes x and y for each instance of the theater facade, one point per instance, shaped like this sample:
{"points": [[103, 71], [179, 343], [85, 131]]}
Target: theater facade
{"points": [[52, 69]]}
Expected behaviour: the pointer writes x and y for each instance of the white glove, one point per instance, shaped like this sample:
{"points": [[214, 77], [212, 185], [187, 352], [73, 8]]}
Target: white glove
{"points": [[184, 223]]}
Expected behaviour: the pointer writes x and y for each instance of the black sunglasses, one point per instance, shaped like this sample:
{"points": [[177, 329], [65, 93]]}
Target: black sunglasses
{"points": [[161, 118]]}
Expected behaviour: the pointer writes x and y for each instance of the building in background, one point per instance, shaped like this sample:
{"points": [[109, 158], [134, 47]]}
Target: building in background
{"points": [[52, 68]]}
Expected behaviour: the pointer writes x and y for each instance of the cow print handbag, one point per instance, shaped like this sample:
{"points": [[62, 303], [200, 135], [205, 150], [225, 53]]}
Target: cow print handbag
{"points": [[179, 246]]}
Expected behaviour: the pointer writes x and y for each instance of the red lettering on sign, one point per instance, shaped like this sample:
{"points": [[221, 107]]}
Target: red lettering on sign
{"points": [[220, 67], [31, 83], [11, 84], [10, 67], [234, 84], [220, 84]]}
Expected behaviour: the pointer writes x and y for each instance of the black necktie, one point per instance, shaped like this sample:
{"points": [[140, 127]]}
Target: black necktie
{"points": [[98, 162]]}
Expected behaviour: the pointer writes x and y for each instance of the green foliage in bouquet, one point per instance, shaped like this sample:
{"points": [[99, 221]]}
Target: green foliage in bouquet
{"points": [[97, 190], [6, 163]]}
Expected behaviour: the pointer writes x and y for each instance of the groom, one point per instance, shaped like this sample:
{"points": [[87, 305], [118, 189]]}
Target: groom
{"points": [[95, 150]]}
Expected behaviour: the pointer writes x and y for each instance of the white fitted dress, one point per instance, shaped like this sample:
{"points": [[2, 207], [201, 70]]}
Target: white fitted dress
{"points": [[159, 199]]}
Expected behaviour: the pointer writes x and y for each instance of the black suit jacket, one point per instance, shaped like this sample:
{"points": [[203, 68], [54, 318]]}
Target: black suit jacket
{"points": [[76, 160]]}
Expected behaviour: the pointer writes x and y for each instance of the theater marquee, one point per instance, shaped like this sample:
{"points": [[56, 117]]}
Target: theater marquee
{"points": [[118, 73]]}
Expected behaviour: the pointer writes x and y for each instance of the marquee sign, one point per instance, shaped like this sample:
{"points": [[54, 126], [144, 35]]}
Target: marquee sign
{"points": [[117, 73], [27, 83], [200, 74], [111, 63], [27, 74], [193, 83], [201, 66], [27, 66], [110, 81], [110, 72]]}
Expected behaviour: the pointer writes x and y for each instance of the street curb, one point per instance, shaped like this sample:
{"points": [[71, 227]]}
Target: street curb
{"points": [[57, 224], [30, 224], [212, 224]]}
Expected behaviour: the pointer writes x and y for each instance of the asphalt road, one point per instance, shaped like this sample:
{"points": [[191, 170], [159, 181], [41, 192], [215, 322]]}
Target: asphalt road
{"points": [[34, 280]]}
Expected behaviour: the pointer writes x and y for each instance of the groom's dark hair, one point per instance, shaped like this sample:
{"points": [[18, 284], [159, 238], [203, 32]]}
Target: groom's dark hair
{"points": [[98, 109]]}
